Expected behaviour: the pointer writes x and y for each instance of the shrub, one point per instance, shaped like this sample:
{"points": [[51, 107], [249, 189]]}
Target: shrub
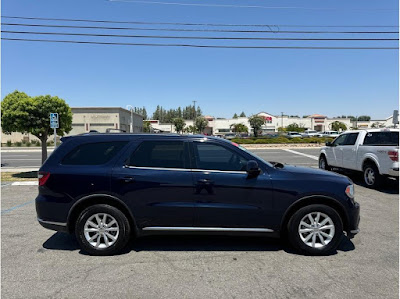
{"points": [[18, 143], [28, 144], [297, 140], [9, 143]]}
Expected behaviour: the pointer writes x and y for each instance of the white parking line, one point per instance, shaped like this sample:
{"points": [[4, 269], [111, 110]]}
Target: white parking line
{"points": [[302, 154], [27, 183]]}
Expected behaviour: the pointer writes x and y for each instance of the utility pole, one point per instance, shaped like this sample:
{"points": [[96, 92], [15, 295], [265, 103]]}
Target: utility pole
{"points": [[282, 119], [131, 109], [194, 105]]}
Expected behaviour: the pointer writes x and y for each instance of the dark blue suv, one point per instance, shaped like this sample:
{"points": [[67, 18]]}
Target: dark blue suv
{"points": [[105, 188]]}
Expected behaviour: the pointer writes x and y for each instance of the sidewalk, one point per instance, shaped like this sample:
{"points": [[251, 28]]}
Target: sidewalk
{"points": [[32, 149]]}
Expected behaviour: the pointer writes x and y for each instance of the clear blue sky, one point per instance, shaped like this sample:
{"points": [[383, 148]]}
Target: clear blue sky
{"points": [[222, 81]]}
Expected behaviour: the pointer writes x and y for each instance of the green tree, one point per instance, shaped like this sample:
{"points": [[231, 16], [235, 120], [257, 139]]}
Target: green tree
{"points": [[239, 128], [295, 128], [242, 114], [190, 129], [200, 124], [256, 122], [147, 127], [338, 126], [352, 118], [21, 113], [305, 116], [235, 116], [364, 118], [141, 111], [179, 124]]}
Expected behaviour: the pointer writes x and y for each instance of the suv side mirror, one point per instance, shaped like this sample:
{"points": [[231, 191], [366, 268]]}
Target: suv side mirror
{"points": [[252, 168], [328, 143]]}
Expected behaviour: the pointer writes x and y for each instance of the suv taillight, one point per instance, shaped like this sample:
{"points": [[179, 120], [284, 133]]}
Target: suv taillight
{"points": [[393, 155], [43, 177]]}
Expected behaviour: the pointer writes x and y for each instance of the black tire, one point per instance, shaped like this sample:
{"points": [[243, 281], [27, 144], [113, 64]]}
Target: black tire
{"points": [[322, 163], [376, 182], [294, 230], [123, 234]]}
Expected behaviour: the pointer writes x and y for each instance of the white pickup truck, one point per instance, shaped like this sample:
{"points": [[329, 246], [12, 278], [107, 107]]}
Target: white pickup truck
{"points": [[375, 152]]}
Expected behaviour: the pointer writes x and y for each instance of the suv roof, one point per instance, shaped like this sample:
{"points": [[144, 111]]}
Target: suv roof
{"points": [[132, 136]]}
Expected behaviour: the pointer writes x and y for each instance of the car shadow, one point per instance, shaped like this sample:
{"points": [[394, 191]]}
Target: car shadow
{"points": [[66, 242], [389, 185]]}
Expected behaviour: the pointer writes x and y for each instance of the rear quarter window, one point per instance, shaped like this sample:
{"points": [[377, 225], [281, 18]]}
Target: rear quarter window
{"points": [[93, 153], [382, 138]]}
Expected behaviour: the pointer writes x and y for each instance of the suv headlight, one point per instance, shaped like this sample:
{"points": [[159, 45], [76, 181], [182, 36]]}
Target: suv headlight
{"points": [[350, 191]]}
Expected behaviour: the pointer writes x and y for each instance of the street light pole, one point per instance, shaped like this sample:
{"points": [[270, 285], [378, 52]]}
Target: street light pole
{"points": [[131, 109], [194, 105]]}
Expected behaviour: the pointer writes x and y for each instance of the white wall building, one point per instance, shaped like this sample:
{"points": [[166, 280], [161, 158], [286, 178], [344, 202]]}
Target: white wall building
{"points": [[85, 119], [217, 126]]}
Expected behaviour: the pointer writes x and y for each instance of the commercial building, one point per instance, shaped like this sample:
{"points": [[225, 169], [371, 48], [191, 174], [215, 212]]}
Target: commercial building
{"points": [[318, 122], [86, 119], [218, 126]]}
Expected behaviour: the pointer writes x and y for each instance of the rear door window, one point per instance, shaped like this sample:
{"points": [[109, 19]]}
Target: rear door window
{"points": [[93, 153], [382, 138], [160, 154]]}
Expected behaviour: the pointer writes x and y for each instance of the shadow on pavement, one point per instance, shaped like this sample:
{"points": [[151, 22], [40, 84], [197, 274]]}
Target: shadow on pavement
{"points": [[66, 242], [26, 175]]}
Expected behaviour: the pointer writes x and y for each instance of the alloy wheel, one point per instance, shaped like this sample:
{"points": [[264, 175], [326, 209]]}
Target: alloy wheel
{"points": [[369, 176], [316, 229], [101, 230]]}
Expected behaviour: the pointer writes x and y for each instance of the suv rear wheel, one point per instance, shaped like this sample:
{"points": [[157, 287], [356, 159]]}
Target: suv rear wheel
{"points": [[102, 230], [315, 230]]}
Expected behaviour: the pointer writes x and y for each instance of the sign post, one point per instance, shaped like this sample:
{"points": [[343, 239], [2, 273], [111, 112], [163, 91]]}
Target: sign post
{"points": [[54, 125], [395, 117]]}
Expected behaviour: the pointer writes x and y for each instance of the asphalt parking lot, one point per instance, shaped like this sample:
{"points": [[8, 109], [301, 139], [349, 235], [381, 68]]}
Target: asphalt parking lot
{"points": [[39, 263]]}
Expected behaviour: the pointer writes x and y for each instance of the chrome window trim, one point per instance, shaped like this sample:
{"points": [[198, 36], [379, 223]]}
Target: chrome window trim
{"points": [[208, 229], [185, 169], [52, 222]]}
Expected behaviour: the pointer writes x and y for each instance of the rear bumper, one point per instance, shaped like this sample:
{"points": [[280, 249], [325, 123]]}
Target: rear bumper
{"points": [[57, 226], [393, 172]]}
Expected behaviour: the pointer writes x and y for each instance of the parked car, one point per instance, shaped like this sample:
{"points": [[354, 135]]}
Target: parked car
{"points": [[375, 152], [332, 134], [309, 133], [230, 136], [293, 135], [106, 188]]}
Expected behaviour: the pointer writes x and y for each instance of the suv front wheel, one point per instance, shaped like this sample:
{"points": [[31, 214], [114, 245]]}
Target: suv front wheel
{"points": [[315, 230], [102, 230]]}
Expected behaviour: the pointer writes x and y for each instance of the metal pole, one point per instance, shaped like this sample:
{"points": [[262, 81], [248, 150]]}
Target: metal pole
{"points": [[55, 138], [194, 105], [131, 120]]}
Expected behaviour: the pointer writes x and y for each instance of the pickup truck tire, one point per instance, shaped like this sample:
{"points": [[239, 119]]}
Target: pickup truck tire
{"points": [[371, 176], [315, 230], [322, 163]]}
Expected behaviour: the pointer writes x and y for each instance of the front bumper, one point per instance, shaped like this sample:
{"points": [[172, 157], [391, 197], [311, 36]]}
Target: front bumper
{"points": [[354, 221]]}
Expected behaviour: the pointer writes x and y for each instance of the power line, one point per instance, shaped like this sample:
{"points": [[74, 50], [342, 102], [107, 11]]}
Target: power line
{"points": [[196, 24], [199, 46], [198, 30], [199, 37], [255, 6]]}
